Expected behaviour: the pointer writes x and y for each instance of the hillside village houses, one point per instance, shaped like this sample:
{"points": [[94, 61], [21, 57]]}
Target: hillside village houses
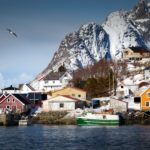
{"points": [[68, 98], [63, 97]]}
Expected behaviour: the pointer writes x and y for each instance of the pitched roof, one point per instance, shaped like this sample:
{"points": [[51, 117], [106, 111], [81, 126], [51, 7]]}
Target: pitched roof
{"points": [[2, 97], [28, 85], [71, 88], [141, 91], [67, 96], [22, 99], [139, 49], [10, 88], [54, 76]]}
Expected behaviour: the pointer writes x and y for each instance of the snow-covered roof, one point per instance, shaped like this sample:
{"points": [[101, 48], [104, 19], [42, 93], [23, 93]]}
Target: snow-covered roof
{"points": [[138, 77]]}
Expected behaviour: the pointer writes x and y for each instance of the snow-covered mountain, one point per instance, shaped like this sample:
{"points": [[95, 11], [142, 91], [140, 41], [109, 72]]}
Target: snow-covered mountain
{"points": [[93, 42]]}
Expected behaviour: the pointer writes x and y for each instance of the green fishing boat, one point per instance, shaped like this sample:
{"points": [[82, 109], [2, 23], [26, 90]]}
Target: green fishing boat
{"points": [[93, 119]]}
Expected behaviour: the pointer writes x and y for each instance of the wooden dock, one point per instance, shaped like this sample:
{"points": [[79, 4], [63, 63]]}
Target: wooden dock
{"points": [[24, 122]]}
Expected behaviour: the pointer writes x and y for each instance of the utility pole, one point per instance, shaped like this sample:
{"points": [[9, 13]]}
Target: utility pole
{"points": [[113, 85], [109, 84]]}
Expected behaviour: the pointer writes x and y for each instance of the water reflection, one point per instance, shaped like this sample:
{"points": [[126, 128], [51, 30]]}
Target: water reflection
{"points": [[42, 137]]}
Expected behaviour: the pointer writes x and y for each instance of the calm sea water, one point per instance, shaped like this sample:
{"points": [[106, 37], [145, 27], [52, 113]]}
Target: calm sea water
{"points": [[41, 137]]}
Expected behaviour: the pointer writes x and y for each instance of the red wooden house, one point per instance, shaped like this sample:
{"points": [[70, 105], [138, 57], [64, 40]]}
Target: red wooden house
{"points": [[15, 103]]}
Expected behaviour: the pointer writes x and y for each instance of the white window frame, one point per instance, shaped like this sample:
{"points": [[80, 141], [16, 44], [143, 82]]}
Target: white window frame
{"points": [[148, 95]]}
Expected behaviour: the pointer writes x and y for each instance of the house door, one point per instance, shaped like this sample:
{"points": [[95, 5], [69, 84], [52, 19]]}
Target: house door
{"points": [[13, 108]]}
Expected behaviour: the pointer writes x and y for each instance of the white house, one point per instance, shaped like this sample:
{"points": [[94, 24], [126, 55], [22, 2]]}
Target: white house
{"points": [[60, 103], [26, 88], [147, 73], [122, 90], [54, 81], [10, 90]]}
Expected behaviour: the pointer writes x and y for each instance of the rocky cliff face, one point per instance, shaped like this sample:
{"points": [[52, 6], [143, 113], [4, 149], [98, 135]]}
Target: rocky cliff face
{"points": [[93, 42]]}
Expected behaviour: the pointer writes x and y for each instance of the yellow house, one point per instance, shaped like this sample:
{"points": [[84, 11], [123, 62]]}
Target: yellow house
{"points": [[73, 92], [143, 98], [135, 53]]}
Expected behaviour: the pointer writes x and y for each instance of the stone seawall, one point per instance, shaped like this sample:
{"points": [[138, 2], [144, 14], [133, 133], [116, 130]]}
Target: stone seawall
{"points": [[7, 119]]}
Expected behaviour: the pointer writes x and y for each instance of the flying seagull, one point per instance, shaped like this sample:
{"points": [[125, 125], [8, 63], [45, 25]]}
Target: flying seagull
{"points": [[11, 32]]}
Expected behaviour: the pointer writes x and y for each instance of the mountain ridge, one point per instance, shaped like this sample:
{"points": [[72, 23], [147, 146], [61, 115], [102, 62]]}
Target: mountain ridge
{"points": [[93, 42]]}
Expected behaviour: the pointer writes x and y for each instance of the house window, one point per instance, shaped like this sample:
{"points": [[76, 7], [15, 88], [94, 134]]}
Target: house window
{"points": [[66, 80], [147, 103], [61, 105], [137, 99], [13, 100], [79, 95], [46, 81], [53, 81], [122, 87], [8, 100], [8, 107], [148, 94]]}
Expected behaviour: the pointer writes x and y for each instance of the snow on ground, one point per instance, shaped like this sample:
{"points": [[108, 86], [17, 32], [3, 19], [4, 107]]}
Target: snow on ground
{"points": [[130, 67], [138, 78], [128, 81], [134, 80]]}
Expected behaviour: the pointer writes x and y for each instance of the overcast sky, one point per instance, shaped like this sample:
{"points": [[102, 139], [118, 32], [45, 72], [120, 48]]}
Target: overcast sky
{"points": [[40, 26]]}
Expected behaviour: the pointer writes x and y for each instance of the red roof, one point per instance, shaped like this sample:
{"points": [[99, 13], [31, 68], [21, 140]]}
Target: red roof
{"points": [[2, 97]]}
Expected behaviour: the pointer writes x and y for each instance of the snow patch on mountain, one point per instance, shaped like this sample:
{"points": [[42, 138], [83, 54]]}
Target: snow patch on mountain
{"points": [[93, 42], [122, 33]]}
